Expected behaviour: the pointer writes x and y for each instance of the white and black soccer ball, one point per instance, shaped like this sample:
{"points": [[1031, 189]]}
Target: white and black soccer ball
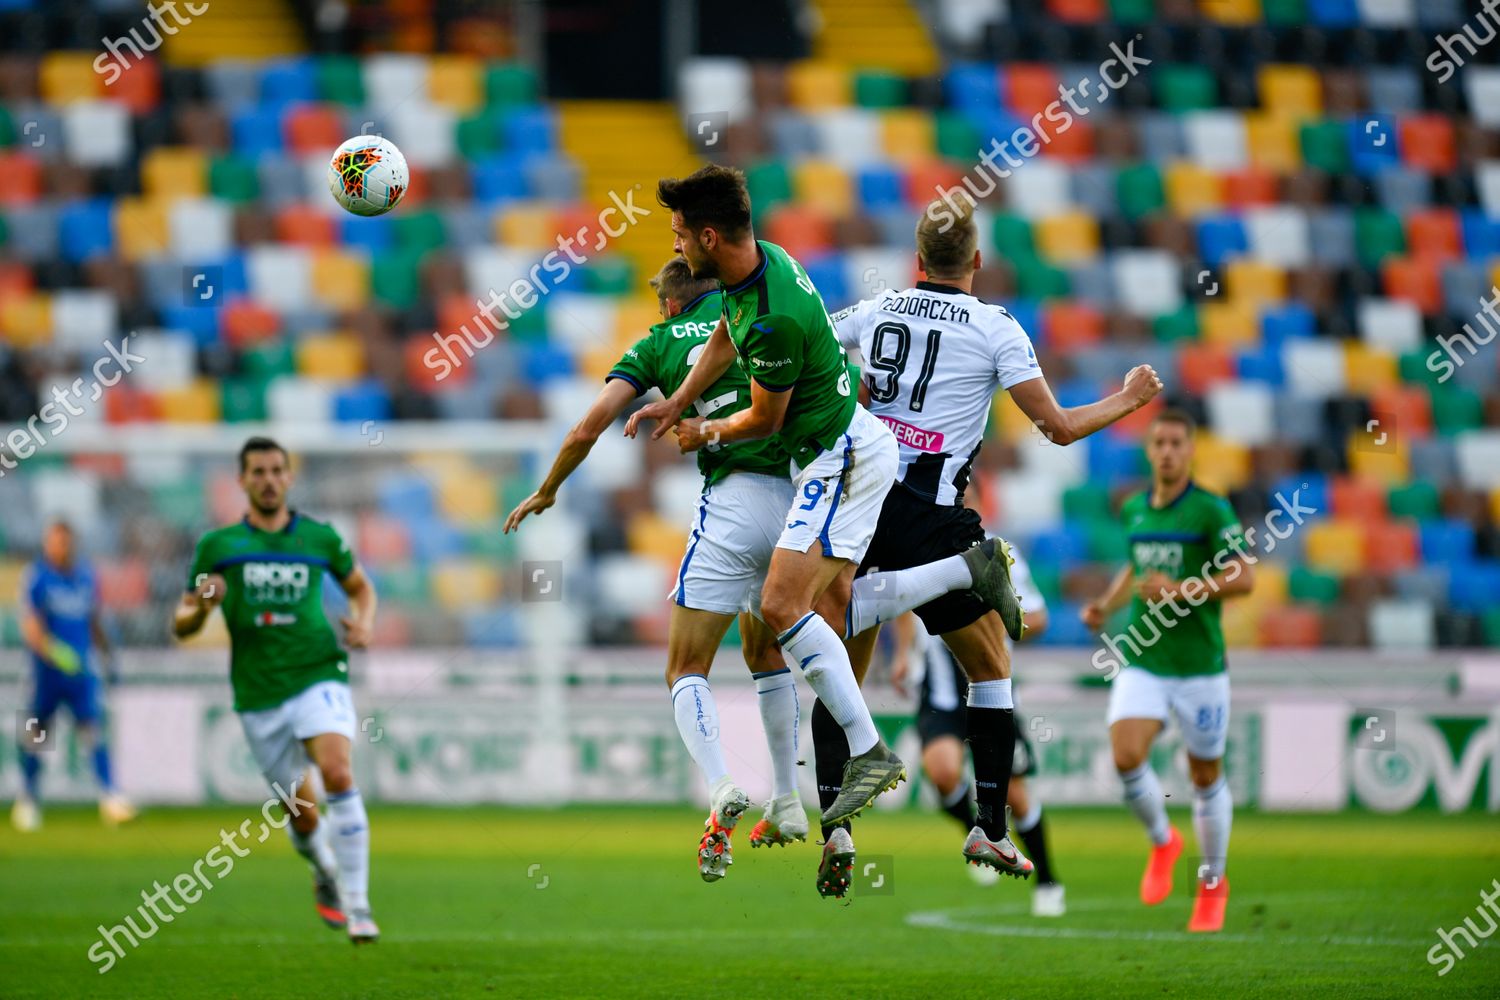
{"points": [[368, 175]]}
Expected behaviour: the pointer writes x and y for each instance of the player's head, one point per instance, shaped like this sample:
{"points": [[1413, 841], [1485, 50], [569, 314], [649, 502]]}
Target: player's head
{"points": [[710, 214], [1169, 446], [57, 543], [676, 287], [265, 474], [948, 241]]}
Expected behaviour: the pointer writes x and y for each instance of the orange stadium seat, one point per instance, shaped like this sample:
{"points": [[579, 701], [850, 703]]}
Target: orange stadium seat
{"points": [[313, 129]]}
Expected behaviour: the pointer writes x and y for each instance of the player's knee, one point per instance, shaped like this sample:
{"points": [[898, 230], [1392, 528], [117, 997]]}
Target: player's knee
{"points": [[686, 667], [1204, 772], [304, 820], [943, 775], [1015, 797], [780, 611], [1128, 758], [338, 776]]}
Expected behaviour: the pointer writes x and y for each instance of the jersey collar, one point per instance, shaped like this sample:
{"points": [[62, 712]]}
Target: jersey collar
{"points": [[937, 286], [1191, 486], [755, 275], [291, 523], [689, 307]]}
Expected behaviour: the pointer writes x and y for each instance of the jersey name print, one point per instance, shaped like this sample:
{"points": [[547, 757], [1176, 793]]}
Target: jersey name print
{"points": [[933, 357]]}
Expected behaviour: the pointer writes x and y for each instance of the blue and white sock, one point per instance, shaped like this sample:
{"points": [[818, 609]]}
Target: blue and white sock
{"points": [[31, 772], [779, 717], [698, 725], [316, 847], [816, 648], [1144, 797], [1213, 815], [882, 597], [351, 847]]}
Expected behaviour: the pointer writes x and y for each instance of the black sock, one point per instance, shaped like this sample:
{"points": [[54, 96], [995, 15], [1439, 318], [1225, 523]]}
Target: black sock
{"points": [[992, 743], [830, 754], [963, 809], [1035, 840]]}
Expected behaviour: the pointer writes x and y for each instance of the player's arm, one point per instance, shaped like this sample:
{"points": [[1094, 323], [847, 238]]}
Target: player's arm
{"points": [[717, 356], [762, 418], [359, 623], [608, 405], [1064, 425], [36, 637], [1096, 612], [197, 604], [1235, 579]]}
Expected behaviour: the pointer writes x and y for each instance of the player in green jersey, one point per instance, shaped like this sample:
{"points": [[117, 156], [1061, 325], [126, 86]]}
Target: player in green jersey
{"points": [[1187, 553], [289, 672]]}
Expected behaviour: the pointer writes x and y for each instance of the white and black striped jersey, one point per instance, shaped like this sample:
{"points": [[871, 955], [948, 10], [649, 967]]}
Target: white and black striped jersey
{"points": [[933, 357]]}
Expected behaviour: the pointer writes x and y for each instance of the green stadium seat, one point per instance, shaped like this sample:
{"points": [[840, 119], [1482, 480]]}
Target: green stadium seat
{"points": [[1413, 366], [956, 138], [1310, 586], [1087, 501], [1325, 145], [1283, 12], [7, 128], [613, 275], [1012, 236], [1184, 87], [1456, 408], [270, 358], [1104, 541], [477, 135], [1419, 500], [234, 179], [341, 80], [877, 89], [243, 399], [1038, 280], [1133, 11], [1139, 190], [419, 231], [1180, 324], [1489, 624], [179, 502], [509, 83], [394, 276], [1378, 234]]}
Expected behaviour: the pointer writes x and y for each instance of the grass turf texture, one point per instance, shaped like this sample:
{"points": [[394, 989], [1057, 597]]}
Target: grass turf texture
{"points": [[590, 902]]}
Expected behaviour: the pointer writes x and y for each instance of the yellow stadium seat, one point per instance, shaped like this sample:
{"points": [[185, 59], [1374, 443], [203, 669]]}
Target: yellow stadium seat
{"points": [[1014, 425], [10, 578], [526, 226], [1243, 12], [340, 279], [1367, 369], [469, 497], [1230, 323], [814, 85], [1292, 90], [1380, 456], [465, 584], [1495, 504], [1335, 546], [194, 403], [1255, 283], [906, 135], [634, 318], [1220, 465], [338, 356], [1240, 622], [1270, 585], [173, 172], [823, 185], [70, 76], [654, 537], [1193, 190], [1068, 238], [455, 81], [1272, 141], [141, 230], [26, 320]]}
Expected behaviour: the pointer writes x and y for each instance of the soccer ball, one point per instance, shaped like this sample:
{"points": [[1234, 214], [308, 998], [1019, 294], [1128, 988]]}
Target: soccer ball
{"points": [[368, 175]]}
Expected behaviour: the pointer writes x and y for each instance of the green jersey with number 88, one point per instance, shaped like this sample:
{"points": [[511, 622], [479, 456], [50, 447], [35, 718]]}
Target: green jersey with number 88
{"points": [[664, 357], [786, 342]]}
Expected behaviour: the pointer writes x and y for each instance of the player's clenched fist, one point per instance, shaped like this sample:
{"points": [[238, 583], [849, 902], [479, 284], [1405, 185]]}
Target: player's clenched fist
{"points": [[1142, 384], [210, 591], [1093, 615]]}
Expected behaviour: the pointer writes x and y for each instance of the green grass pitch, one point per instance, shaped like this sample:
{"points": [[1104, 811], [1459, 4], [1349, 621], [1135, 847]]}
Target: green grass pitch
{"points": [[607, 902]]}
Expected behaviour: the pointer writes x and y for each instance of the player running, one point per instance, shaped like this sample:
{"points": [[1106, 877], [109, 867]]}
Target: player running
{"points": [[60, 624], [289, 673], [1187, 544], [934, 357], [941, 689]]}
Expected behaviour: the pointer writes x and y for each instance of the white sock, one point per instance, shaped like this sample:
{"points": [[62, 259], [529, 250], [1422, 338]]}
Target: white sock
{"points": [[883, 597], [779, 717], [991, 694], [351, 846], [1033, 816], [1143, 796], [815, 647], [698, 724], [1213, 815], [316, 847]]}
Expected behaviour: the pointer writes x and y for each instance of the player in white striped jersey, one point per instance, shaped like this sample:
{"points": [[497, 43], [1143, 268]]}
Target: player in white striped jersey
{"points": [[934, 355]]}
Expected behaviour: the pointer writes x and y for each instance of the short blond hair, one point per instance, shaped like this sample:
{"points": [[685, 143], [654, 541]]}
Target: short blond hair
{"points": [[947, 236], [675, 281]]}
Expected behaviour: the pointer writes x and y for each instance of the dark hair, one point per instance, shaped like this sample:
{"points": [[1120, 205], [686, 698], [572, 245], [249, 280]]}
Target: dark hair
{"points": [[1172, 415], [258, 444], [675, 281], [712, 196]]}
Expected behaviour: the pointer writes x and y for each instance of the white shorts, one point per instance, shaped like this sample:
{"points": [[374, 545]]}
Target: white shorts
{"points": [[735, 528], [275, 734], [837, 496], [1201, 705]]}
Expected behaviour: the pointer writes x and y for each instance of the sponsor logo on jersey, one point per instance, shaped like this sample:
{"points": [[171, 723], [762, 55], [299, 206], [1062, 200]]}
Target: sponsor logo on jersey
{"points": [[763, 363], [275, 618], [1165, 556], [276, 582], [914, 437]]}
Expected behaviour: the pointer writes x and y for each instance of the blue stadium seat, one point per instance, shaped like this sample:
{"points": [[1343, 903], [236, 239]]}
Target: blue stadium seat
{"points": [[1375, 143], [1261, 364], [1057, 547], [1333, 13], [501, 628], [499, 178], [541, 363], [287, 81], [1065, 628], [530, 130], [1481, 233], [86, 228], [202, 322], [1449, 542], [1221, 237], [407, 496], [880, 187], [375, 235], [1278, 324], [1309, 489], [827, 273], [432, 539], [256, 130], [972, 87], [1473, 586], [1113, 460], [367, 400]]}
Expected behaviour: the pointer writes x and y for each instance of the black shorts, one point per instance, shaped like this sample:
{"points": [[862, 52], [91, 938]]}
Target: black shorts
{"points": [[941, 711], [912, 531]]}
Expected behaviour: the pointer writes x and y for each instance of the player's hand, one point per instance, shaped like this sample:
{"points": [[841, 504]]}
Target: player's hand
{"points": [[1155, 586], [665, 412], [210, 591], [690, 435], [900, 671], [1141, 385], [356, 633], [534, 504], [1093, 615], [64, 657]]}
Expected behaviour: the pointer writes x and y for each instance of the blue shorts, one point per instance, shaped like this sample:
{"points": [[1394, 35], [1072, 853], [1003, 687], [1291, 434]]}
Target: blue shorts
{"points": [[80, 692]]}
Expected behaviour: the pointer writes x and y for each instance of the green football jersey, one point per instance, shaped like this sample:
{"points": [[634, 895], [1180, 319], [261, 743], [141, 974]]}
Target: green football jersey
{"points": [[1193, 536], [280, 641], [786, 342], [663, 359]]}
